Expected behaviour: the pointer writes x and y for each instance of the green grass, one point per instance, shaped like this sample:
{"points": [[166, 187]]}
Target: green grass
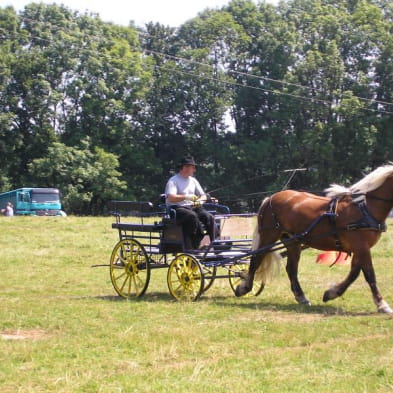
{"points": [[75, 335]]}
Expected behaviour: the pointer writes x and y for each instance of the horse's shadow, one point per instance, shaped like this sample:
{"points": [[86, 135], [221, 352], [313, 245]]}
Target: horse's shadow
{"points": [[222, 301], [322, 310]]}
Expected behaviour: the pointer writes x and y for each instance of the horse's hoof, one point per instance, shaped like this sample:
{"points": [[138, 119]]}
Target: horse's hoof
{"points": [[303, 300], [240, 291], [330, 294], [384, 308]]}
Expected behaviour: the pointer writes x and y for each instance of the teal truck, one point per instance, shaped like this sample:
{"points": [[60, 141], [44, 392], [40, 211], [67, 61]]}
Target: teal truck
{"points": [[33, 201]]}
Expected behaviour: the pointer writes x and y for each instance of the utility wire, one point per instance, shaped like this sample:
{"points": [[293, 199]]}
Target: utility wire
{"points": [[248, 75], [277, 92]]}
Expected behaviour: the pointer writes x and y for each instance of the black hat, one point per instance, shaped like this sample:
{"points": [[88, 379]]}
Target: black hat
{"points": [[187, 161]]}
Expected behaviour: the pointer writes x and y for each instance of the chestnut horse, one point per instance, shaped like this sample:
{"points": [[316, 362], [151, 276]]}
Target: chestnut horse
{"points": [[347, 219]]}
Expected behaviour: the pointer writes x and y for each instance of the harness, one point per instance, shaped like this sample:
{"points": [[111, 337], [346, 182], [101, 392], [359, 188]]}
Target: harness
{"points": [[331, 213], [366, 222]]}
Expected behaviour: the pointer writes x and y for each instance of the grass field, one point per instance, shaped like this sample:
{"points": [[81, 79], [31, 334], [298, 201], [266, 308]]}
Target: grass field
{"points": [[63, 329]]}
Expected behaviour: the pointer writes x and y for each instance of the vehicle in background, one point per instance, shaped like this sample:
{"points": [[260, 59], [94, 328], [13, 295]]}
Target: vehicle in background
{"points": [[33, 201]]}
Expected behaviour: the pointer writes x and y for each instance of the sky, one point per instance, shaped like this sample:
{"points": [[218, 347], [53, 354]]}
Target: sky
{"points": [[121, 12]]}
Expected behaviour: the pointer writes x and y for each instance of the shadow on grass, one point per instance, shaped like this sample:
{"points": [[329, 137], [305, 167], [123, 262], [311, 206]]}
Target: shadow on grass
{"points": [[147, 297], [239, 303], [324, 310]]}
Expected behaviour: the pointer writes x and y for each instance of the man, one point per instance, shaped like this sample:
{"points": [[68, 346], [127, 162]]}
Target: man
{"points": [[184, 194], [9, 210]]}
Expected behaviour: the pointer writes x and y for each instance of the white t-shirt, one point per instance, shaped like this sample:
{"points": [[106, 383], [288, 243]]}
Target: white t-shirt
{"points": [[178, 184], [9, 211]]}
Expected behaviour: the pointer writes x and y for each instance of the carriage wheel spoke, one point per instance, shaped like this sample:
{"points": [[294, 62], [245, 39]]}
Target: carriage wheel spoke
{"points": [[185, 278], [130, 259]]}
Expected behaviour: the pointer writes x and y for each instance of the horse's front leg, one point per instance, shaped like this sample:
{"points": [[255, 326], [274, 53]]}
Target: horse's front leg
{"points": [[360, 261], [339, 289], [293, 256], [369, 275]]}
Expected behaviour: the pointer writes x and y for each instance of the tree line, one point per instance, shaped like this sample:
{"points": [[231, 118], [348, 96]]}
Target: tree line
{"points": [[104, 112]]}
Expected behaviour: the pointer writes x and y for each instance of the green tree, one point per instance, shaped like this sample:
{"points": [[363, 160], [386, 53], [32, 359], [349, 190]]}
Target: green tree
{"points": [[384, 90], [87, 179], [189, 97], [8, 29], [307, 83], [262, 57], [336, 125]]}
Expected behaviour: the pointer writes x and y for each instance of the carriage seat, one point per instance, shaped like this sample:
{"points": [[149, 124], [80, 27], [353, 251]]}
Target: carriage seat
{"points": [[136, 209], [173, 239]]}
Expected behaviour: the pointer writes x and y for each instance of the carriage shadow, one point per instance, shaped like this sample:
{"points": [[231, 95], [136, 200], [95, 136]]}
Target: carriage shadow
{"points": [[146, 298]]}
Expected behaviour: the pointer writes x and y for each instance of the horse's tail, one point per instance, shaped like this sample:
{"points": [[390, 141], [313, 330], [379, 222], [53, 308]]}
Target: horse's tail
{"points": [[256, 236], [271, 261], [269, 267]]}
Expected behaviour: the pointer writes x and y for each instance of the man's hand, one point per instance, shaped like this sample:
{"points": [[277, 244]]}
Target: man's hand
{"points": [[191, 197]]}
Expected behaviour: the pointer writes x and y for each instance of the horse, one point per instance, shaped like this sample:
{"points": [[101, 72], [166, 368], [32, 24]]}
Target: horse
{"points": [[349, 219]]}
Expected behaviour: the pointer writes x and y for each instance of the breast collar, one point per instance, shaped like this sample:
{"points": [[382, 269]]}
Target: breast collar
{"points": [[368, 221]]}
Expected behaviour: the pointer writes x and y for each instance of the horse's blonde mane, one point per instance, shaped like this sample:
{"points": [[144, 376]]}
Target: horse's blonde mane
{"points": [[369, 183]]}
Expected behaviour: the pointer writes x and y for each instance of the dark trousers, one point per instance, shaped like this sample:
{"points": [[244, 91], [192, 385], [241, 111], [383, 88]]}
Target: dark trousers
{"points": [[196, 222]]}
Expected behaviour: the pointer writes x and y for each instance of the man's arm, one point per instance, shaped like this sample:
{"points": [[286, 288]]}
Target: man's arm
{"points": [[176, 198]]}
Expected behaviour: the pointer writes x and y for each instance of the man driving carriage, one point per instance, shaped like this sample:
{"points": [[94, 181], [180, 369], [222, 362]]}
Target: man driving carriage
{"points": [[185, 195]]}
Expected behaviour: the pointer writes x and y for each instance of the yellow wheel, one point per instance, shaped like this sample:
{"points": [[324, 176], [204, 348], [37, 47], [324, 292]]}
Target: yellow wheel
{"points": [[185, 278], [129, 268], [237, 273]]}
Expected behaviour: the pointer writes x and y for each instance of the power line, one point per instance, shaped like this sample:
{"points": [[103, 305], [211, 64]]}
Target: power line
{"points": [[247, 75], [267, 79], [277, 92]]}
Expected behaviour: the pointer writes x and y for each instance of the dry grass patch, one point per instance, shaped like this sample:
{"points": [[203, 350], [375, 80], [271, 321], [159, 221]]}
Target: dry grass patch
{"points": [[23, 334]]}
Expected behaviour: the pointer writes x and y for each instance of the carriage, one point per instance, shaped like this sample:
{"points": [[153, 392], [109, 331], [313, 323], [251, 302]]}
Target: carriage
{"points": [[349, 219], [150, 238]]}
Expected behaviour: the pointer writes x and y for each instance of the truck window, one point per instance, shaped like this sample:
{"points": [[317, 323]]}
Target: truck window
{"points": [[24, 197], [45, 198]]}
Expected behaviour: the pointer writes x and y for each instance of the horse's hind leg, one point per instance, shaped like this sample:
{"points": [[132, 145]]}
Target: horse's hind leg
{"points": [[246, 285], [257, 259], [263, 240], [293, 256]]}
